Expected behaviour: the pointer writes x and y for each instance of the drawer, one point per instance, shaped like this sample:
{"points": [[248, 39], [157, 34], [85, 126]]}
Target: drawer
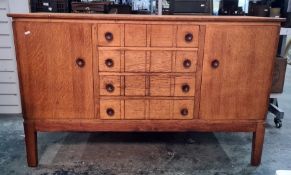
{"points": [[183, 109], [135, 35], [160, 109], [187, 36], [186, 61], [109, 61], [109, 34], [162, 35], [110, 85], [135, 61], [184, 86], [110, 109], [134, 109], [160, 86], [161, 61], [135, 85]]}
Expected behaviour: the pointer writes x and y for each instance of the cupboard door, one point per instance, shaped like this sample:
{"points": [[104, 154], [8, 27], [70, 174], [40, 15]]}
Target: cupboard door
{"points": [[55, 63], [237, 71]]}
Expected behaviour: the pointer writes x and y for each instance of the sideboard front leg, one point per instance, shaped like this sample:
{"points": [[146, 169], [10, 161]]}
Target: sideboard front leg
{"points": [[31, 144], [257, 145]]}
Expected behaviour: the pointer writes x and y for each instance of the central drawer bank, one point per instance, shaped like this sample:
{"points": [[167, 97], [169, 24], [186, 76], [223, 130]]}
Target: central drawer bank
{"points": [[144, 73]]}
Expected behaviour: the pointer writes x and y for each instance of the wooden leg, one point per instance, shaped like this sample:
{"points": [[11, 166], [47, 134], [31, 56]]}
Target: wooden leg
{"points": [[31, 144], [257, 147]]}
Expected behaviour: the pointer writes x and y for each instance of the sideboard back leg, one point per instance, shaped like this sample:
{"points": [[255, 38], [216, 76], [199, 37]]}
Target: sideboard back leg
{"points": [[31, 144], [257, 145]]}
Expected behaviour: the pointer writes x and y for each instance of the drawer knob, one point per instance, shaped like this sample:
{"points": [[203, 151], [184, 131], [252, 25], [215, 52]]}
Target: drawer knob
{"points": [[109, 62], [187, 63], [110, 112], [184, 111], [108, 36], [80, 62], [109, 88], [215, 63], [188, 37], [185, 88]]}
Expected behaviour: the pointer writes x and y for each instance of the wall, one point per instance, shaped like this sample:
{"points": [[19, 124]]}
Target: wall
{"points": [[9, 86]]}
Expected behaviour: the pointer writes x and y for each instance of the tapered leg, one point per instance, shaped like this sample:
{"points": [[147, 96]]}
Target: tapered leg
{"points": [[257, 147], [31, 144]]}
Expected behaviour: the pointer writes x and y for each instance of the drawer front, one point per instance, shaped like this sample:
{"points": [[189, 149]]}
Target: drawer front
{"points": [[135, 85], [161, 61], [183, 109], [160, 109], [109, 61], [135, 35], [184, 86], [162, 35], [110, 109], [110, 85], [186, 61], [187, 36], [109, 34], [134, 109], [160, 86], [135, 61]]}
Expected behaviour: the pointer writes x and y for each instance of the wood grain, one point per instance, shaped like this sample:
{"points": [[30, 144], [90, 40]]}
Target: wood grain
{"points": [[135, 35], [239, 87], [52, 85]]}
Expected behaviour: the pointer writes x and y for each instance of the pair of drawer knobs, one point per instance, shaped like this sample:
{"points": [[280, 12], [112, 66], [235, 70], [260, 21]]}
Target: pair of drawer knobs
{"points": [[109, 37], [110, 88], [109, 63], [110, 112]]}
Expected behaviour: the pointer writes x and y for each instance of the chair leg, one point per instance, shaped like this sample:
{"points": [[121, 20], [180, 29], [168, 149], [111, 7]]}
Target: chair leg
{"points": [[31, 144], [257, 145]]}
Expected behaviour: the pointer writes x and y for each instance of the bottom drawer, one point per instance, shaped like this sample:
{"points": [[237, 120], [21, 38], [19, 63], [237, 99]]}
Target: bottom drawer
{"points": [[137, 109]]}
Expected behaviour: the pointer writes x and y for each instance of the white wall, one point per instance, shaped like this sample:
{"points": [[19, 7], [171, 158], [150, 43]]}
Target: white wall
{"points": [[9, 86]]}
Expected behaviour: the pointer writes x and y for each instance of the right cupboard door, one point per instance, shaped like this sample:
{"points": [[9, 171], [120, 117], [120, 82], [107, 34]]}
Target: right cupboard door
{"points": [[237, 71]]}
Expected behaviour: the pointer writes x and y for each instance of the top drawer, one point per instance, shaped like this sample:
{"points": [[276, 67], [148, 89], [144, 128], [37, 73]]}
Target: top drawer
{"points": [[141, 35]]}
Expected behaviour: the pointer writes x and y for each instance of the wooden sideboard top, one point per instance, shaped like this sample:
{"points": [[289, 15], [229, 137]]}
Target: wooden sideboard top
{"points": [[145, 17]]}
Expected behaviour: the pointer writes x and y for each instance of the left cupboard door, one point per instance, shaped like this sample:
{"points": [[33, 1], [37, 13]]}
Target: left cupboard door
{"points": [[55, 69]]}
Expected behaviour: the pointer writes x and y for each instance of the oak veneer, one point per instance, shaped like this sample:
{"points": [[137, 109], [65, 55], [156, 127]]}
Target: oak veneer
{"points": [[144, 73]]}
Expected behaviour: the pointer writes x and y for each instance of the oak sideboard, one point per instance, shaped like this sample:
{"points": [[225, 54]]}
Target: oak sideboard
{"points": [[137, 73]]}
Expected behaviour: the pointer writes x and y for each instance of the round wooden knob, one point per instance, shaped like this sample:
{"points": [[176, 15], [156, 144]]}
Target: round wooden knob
{"points": [[187, 63], [185, 88], [109, 87], [184, 111], [110, 112], [108, 36], [215, 63], [80, 62], [109, 62], [188, 37]]}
